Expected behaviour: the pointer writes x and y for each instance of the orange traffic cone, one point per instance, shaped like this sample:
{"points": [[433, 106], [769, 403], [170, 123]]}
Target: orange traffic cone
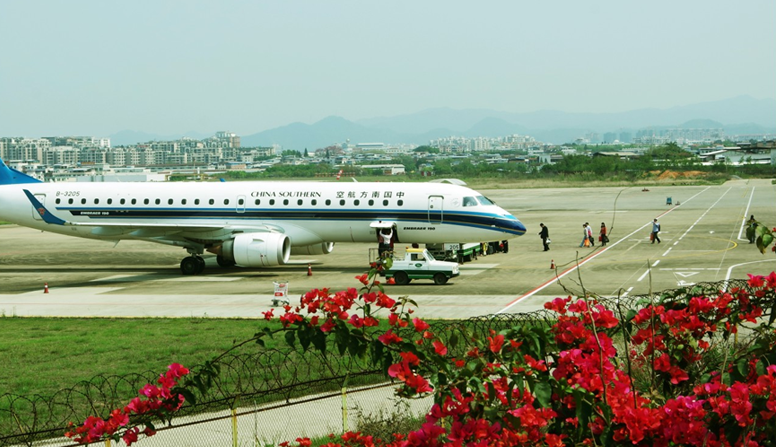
{"points": [[552, 264], [45, 287], [309, 270]]}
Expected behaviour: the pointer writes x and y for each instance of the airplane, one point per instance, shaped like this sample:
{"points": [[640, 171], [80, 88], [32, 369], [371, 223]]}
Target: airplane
{"points": [[253, 224]]}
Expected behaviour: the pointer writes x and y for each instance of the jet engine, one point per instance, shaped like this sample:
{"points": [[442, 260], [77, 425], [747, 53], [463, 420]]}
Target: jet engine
{"points": [[324, 248], [257, 249]]}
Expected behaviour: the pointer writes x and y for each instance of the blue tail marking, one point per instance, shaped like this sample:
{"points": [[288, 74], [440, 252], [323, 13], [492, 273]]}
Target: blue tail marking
{"points": [[10, 176], [44, 213]]}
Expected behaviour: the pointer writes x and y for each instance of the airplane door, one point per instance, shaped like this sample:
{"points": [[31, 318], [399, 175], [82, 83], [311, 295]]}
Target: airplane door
{"points": [[240, 204], [436, 209], [36, 214]]}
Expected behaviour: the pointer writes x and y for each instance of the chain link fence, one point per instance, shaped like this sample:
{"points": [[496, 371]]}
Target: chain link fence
{"points": [[266, 396]]}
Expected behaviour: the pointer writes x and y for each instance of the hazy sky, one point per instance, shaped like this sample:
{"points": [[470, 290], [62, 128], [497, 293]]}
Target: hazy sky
{"points": [[166, 67]]}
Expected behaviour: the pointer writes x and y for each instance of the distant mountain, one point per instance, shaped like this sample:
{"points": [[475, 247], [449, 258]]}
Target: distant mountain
{"points": [[494, 127], [326, 132], [747, 129], [741, 115], [554, 126], [701, 124]]}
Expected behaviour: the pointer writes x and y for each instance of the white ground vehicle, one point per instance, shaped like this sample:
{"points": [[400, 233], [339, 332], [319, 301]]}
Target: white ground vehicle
{"points": [[418, 263]]}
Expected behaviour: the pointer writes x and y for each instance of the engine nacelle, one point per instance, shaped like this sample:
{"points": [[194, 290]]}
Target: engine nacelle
{"points": [[324, 248], [257, 249]]}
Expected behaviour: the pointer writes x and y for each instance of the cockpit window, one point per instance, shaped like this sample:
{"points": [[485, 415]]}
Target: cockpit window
{"points": [[469, 201], [484, 200]]}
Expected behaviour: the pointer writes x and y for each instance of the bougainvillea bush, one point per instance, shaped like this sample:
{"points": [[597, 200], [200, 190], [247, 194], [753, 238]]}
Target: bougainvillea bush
{"points": [[672, 371]]}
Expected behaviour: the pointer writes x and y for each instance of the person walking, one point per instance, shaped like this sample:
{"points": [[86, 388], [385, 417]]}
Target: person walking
{"points": [[585, 241], [655, 231], [752, 224], [589, 234], [602, 235], [545, 235]]}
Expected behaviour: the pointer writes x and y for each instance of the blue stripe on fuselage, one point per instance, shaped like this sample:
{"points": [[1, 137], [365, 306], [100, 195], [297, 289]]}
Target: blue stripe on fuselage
{"points": [[508, 223]]}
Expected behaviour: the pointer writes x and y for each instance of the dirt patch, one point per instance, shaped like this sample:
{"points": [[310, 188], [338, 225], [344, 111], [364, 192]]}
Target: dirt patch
{"points": [[666, 175]]}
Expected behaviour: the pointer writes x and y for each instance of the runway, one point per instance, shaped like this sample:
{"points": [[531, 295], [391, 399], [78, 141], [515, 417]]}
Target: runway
{"points": [[702, 240]]}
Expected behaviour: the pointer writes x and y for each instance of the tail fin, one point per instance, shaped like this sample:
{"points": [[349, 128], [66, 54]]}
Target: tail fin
{"points": [[10, 176]]}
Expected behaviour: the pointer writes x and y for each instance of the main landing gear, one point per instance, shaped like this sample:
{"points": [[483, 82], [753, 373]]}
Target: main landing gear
{"points": [[193, 265]]}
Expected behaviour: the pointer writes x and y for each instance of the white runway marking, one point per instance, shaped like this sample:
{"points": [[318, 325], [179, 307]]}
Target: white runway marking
{"points": [[477, 267], [682, 283], [203, 279], [552, 281], [118, 277], [743, 219], [691, 268]]}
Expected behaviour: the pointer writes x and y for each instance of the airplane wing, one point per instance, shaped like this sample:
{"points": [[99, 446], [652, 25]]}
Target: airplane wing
{"points": [[145, 230]]}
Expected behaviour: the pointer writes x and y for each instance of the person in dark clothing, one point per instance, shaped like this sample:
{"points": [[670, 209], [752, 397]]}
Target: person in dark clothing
{"points": [[505, 244], [603, 237], [545, 235], [655, 231], [752, 223]]}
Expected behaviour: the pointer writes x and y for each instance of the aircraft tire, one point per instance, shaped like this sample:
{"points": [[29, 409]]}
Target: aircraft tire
{"points": [[191, 266], [401, 278], [200, 264], [440, 278]]}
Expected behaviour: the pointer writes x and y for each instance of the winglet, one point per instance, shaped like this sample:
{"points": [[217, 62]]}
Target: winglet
{"points": [[10, 176], [44, 213]]}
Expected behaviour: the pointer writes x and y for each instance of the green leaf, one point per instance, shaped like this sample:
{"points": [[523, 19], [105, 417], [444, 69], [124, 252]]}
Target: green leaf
{"points": [[743, 368], [583, 408], [760, 368], [190, 397], [452, 342], [304, 336], [319, 340], [342, 338], [543, 392], [764, 241], [772, 316], [354, 347], [290, 338]]}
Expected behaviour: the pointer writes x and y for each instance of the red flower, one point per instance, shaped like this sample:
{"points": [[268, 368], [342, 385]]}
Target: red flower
{"points": [[389, 338], [410, 358], [496, 343], [440, 348], [176, 370], [363, 279], [420, 325], [756, 281], [130, 436]]}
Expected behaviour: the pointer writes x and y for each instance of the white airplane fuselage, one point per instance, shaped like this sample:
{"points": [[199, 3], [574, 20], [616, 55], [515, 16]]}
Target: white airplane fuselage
{"points": [[202, 216]]}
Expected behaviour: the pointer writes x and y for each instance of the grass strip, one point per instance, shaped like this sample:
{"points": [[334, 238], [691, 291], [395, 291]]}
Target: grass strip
{"points": [[44, 355]]}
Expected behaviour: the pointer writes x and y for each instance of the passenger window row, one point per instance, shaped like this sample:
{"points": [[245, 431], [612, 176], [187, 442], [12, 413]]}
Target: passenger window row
{"points": [[241, 202]]}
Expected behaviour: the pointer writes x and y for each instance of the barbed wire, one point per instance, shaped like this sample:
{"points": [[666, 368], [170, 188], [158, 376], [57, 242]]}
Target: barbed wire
{"points": [[275, 375]]}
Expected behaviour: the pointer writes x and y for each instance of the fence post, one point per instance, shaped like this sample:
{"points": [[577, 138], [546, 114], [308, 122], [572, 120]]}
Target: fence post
{"points": [[234, 427], [107, 442], [344, 409]]}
